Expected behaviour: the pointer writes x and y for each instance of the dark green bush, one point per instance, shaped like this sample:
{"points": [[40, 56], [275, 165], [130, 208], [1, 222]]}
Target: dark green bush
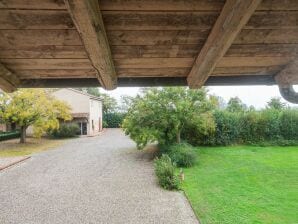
{"points": [[183, 155], [265, 127], [65, 131], [227, 128], [113, 120], [9, 135], [289, 124], [165, 172]]}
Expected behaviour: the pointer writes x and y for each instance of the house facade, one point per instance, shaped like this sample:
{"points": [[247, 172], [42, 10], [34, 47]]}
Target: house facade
{"points": [[86, 109]]}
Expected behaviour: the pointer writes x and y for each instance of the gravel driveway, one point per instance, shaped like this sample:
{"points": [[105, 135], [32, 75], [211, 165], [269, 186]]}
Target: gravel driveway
{"points": [[101, 179]]}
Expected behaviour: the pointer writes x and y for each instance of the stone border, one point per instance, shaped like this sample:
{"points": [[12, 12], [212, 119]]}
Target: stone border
{"points": [[14, 163]]}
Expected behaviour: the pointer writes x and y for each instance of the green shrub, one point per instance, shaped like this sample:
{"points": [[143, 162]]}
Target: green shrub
{"points": [[183, 155], [289, 124], [113, 120], [9, 135], [65, 131], [227, 128], [165, 172]]}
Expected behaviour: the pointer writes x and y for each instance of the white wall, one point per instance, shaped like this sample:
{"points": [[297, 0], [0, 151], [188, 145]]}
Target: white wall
{"points": [[95, 116], [79, 103]]}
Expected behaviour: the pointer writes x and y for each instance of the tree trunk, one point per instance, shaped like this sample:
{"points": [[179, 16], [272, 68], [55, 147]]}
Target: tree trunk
{"points": [[178, 136], [23, 134]]}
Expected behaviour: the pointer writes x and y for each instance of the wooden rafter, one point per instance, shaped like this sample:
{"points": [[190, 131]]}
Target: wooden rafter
{"points": [[233, 17], [87, 18], [8, 80]]}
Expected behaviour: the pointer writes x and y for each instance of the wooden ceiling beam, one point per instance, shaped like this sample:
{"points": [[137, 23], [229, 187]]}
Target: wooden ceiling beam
{"points": [[233, 17], [87, 18], [8, 80]]}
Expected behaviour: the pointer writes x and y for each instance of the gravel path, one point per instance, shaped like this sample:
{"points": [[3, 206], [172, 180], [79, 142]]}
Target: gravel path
{"points": [[103, 179], [9, 161]]}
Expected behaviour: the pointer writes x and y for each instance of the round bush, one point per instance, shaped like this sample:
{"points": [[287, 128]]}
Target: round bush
{"points": [[183, 155]]}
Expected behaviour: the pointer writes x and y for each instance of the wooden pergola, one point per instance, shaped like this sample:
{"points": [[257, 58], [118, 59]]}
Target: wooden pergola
{"points": [[68, 43]]}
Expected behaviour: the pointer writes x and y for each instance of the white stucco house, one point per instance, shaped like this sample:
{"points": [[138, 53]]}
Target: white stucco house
{"points": [[86, 109]]}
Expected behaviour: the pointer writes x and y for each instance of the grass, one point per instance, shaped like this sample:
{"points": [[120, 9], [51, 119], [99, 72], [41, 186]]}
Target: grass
{"points": [[12, 148], [244, 184]]}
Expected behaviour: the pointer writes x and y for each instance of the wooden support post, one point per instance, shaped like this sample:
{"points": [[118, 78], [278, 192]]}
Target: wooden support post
{"points": [[87, 18], [8, 80], [233, 17], [285, 79]]}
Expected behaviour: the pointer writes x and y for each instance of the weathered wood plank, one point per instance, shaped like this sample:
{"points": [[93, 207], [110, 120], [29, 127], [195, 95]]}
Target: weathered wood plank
{"points": [[153, 72], [263, 50], [189, 51], [152, 5], [88, 21], [188, 62], [35, 19], [155, 51], [189, 5], [136, 20], [157, 37], [183, 72], [56, 74], [32, 4], [28, 64], [13, 39], [226, 71], [24, 64], [8, 80], [142, 72], [287, 36], [46, 51], [232, 19]]}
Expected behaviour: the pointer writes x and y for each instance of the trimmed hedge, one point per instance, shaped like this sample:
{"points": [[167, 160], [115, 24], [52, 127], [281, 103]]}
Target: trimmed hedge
{"points": [[266, 127], [9, 135], [65, 131]]}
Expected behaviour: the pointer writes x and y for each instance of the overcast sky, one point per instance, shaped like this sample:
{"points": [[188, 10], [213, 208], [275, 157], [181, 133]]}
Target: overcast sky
{"points": [[256, 96]]}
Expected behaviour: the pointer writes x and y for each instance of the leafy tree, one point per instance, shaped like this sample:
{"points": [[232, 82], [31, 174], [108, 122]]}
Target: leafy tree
{"points": [[275, 103], [162, 114], [235, 105], [126, 103], [35, 107], [109, 104]]}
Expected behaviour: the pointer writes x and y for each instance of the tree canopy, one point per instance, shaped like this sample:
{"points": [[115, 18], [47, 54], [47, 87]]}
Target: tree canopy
{"points": [[275, 103], [235, 105], [35, 107], [161, 114]]}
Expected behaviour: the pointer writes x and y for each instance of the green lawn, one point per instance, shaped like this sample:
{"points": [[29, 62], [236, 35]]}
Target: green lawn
{"points": [[12, 147], [244, 184]]}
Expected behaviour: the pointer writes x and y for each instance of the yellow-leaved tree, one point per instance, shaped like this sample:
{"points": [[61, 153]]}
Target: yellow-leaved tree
{"points": [[34, 107]]}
